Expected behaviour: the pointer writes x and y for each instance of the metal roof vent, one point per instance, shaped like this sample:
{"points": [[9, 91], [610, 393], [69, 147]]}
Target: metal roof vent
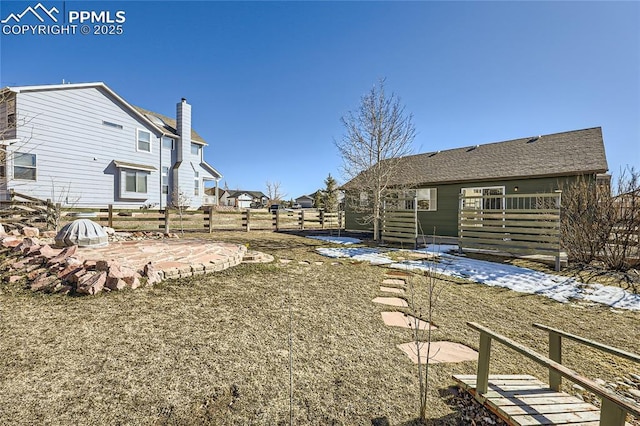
{"points": [[83, 233], [473, 148], [433, 154], [533, 139]]}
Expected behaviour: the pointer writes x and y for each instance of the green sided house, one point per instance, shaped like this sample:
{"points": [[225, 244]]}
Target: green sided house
{"points": [[531, 165]]}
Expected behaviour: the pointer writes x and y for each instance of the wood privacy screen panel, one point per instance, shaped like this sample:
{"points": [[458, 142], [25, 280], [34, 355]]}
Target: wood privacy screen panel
{"points": [[400, 225], [517, 224]]}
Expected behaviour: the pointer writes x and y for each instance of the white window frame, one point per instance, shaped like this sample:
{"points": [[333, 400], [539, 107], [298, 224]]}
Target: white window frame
{"points": [[136, 174], [196, 183], [34, 167], [173, 143], [432, 197], [479, 190], [138, 140], [364, 199], [199, 148], [164, 184]]}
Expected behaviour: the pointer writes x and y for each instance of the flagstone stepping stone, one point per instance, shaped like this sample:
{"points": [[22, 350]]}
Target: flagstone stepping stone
{"points": [[303, 262], [318, 263], [400, 319], [391, 301], [394, 281], [392, 290], [285, 260], [397, 273], [440, 352]]}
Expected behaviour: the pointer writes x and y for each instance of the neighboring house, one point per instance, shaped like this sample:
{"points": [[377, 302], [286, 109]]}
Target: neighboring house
{"points": [[305, 201], [540, 164], [247, 199], [213, 199], [84, 145]]}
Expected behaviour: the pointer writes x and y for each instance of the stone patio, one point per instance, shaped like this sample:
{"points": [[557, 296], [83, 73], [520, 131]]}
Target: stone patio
{"points": [[174, 257]]}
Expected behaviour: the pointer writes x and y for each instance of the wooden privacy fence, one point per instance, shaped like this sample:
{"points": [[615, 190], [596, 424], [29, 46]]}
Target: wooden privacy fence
{"points": [[522, 399], [516, 224], [169, 220], [400, 221]]}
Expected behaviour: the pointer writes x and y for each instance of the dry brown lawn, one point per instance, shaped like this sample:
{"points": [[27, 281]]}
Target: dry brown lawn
{"points": [[215, 349]]}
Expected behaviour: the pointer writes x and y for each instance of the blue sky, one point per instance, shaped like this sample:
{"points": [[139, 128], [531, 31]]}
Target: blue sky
{"points": [[269, 81]]}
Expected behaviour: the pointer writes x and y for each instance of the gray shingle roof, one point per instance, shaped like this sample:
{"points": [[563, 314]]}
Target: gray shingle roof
{"points": [[559, 154], [169, 123]]}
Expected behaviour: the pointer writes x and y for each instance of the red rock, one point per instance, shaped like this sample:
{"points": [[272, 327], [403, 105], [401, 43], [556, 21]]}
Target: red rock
{"points": [[44, 282], [14, 278], [47, 252], [90, 265], [72, 261], [102, 265], [10, 242], [115, 283], [92, 283], [62, 289], [29, 231], [19, 264], [35, 273], [152, 273], [48, 234], [64, 255], [74, 277], [15, 232], [67, 271]]}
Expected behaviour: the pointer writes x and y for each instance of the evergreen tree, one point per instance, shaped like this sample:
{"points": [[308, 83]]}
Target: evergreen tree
{"points": [[330, 196], [318, 200]]}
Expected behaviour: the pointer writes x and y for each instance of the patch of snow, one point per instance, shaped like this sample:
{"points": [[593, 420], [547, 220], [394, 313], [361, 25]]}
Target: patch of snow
{"points": [[524, 280], [336, 240]]}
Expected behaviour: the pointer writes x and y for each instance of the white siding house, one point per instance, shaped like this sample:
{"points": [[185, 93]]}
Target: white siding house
{"points": [[83, 145]]}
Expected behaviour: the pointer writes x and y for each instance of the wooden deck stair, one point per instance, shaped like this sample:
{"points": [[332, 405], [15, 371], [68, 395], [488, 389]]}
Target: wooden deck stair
{"points": [[523, 400]]}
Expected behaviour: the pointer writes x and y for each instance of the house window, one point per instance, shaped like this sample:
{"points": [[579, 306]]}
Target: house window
{"points": [[144, 141], [24, 166], [427, 199], [364, 199], [195, 149], [11, 113], [488, 198], [136, 181], [168, 143], [196, 184], [165, 180]]}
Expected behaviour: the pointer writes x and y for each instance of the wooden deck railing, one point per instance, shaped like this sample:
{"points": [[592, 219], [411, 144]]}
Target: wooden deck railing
{"points": [[555, 350], [614, 408]]}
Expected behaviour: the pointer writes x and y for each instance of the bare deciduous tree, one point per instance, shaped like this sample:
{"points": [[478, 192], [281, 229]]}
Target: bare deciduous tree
{"points": [[274, 192], [377, 134]]}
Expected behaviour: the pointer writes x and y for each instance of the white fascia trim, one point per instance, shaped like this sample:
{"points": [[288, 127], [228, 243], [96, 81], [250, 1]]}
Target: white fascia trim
{"points": [[98, 84]]}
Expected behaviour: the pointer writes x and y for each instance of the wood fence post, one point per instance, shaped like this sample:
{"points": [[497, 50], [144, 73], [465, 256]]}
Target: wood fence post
{"points": [[58, 213], [278, 220], [555, 354], [167, 213], [110, 215], [210, 220], [248, 214], [482, 381], [302, 220], [341, 219], [322, 219], [611, 414]]}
